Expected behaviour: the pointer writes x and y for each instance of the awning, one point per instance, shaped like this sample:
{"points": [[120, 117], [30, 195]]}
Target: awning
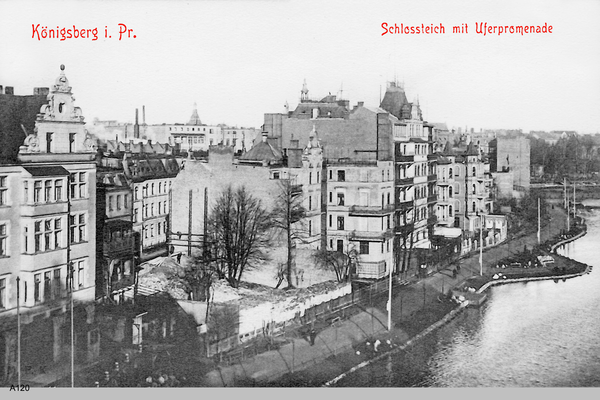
{"points": [[47, 171]]}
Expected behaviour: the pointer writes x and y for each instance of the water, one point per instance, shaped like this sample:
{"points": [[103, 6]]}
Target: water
{"points": [[535, 334]]}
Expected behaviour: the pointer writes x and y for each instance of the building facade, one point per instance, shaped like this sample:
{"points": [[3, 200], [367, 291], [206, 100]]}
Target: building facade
{"points": [[47, 230]]}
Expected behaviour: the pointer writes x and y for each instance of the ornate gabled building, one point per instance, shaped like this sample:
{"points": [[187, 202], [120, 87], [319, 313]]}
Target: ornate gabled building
{"points": [[48, 228]]}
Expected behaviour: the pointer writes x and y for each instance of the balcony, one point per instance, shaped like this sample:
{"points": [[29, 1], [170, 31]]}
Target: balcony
{"points": [[358, 211], [432, 178], [371, 270], [296, 189], [123, 245], [432, 199], [432, 220], [404, 181], [432, 157], [404, 229], [405, 158], [374, 236]]}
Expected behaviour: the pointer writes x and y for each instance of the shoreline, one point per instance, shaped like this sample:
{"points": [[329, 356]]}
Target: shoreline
{"points": [[463, 305]]}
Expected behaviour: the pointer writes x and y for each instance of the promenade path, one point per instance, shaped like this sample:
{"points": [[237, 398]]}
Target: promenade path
{"points": [[335, 348]]}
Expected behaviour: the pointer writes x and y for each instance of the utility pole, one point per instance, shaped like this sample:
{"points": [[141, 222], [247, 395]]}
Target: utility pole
{"points": [[539, 224], [481, 245], [18, 333], [574, 205], [389, 305], [190, 224]]}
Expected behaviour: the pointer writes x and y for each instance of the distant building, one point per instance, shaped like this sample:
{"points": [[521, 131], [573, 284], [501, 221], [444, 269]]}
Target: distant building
{"points": [[512, 154], [149, 170]]}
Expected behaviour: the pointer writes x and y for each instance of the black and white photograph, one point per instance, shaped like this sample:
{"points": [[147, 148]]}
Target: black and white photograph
{"points": [[299, 194]]}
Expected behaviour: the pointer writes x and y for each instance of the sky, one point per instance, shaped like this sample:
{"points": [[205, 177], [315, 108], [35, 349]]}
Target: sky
{"points": [[240, 59]]}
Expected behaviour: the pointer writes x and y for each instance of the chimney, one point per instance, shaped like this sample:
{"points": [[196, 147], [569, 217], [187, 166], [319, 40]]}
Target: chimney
{"points": [[9, 90], [264, 137], [361, 103], [1, 89], [136, 127], [144, 115], [41, 91]]}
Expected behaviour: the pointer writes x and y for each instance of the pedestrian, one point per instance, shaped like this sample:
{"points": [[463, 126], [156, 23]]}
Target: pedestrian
{"points": [[313, 335], [376, 345], [179, 258]]}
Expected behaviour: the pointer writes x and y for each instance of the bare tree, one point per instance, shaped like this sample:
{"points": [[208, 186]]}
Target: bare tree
{"points": [[340, 263], [288, 215], [239, 228]]}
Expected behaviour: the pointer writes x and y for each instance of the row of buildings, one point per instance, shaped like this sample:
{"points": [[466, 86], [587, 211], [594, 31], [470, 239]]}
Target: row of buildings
{"points": [[79, 216], [191, 137]]}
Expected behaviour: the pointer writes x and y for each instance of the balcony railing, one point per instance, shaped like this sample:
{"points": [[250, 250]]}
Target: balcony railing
{"points": [[404, 158], [404, 181], [379, 235], [432, 156], [296, 189], [432, 199], [119, 246], [404, 229], [432, 178], [365, 210]]}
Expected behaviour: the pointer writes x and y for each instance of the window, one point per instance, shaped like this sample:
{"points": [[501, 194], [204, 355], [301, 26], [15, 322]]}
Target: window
{"points": [[119, 202], [136, 193], [36, 289], [310, 178], [340, 223], [77, 228], [3, 239], [330, 175], [309, 203], [364, 247], [474, 206], [37, 191], [126, 201], [340, 198], [275, 175], [330, 220], [110, 203], [49, 142], [474, 189], [3, 293], [78, 185], [80, 273], [152, 189], [56, 284], [135, 215], [3, 190], [309, 228], [47, 286], [341, 175], [152, 230], [451, 190], [331, 197], [58, 190], [474, 171], [340, 246], [388, 198]]}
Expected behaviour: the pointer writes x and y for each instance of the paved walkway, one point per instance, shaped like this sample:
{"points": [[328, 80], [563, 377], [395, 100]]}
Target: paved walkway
{"points": [[347, 339]]}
